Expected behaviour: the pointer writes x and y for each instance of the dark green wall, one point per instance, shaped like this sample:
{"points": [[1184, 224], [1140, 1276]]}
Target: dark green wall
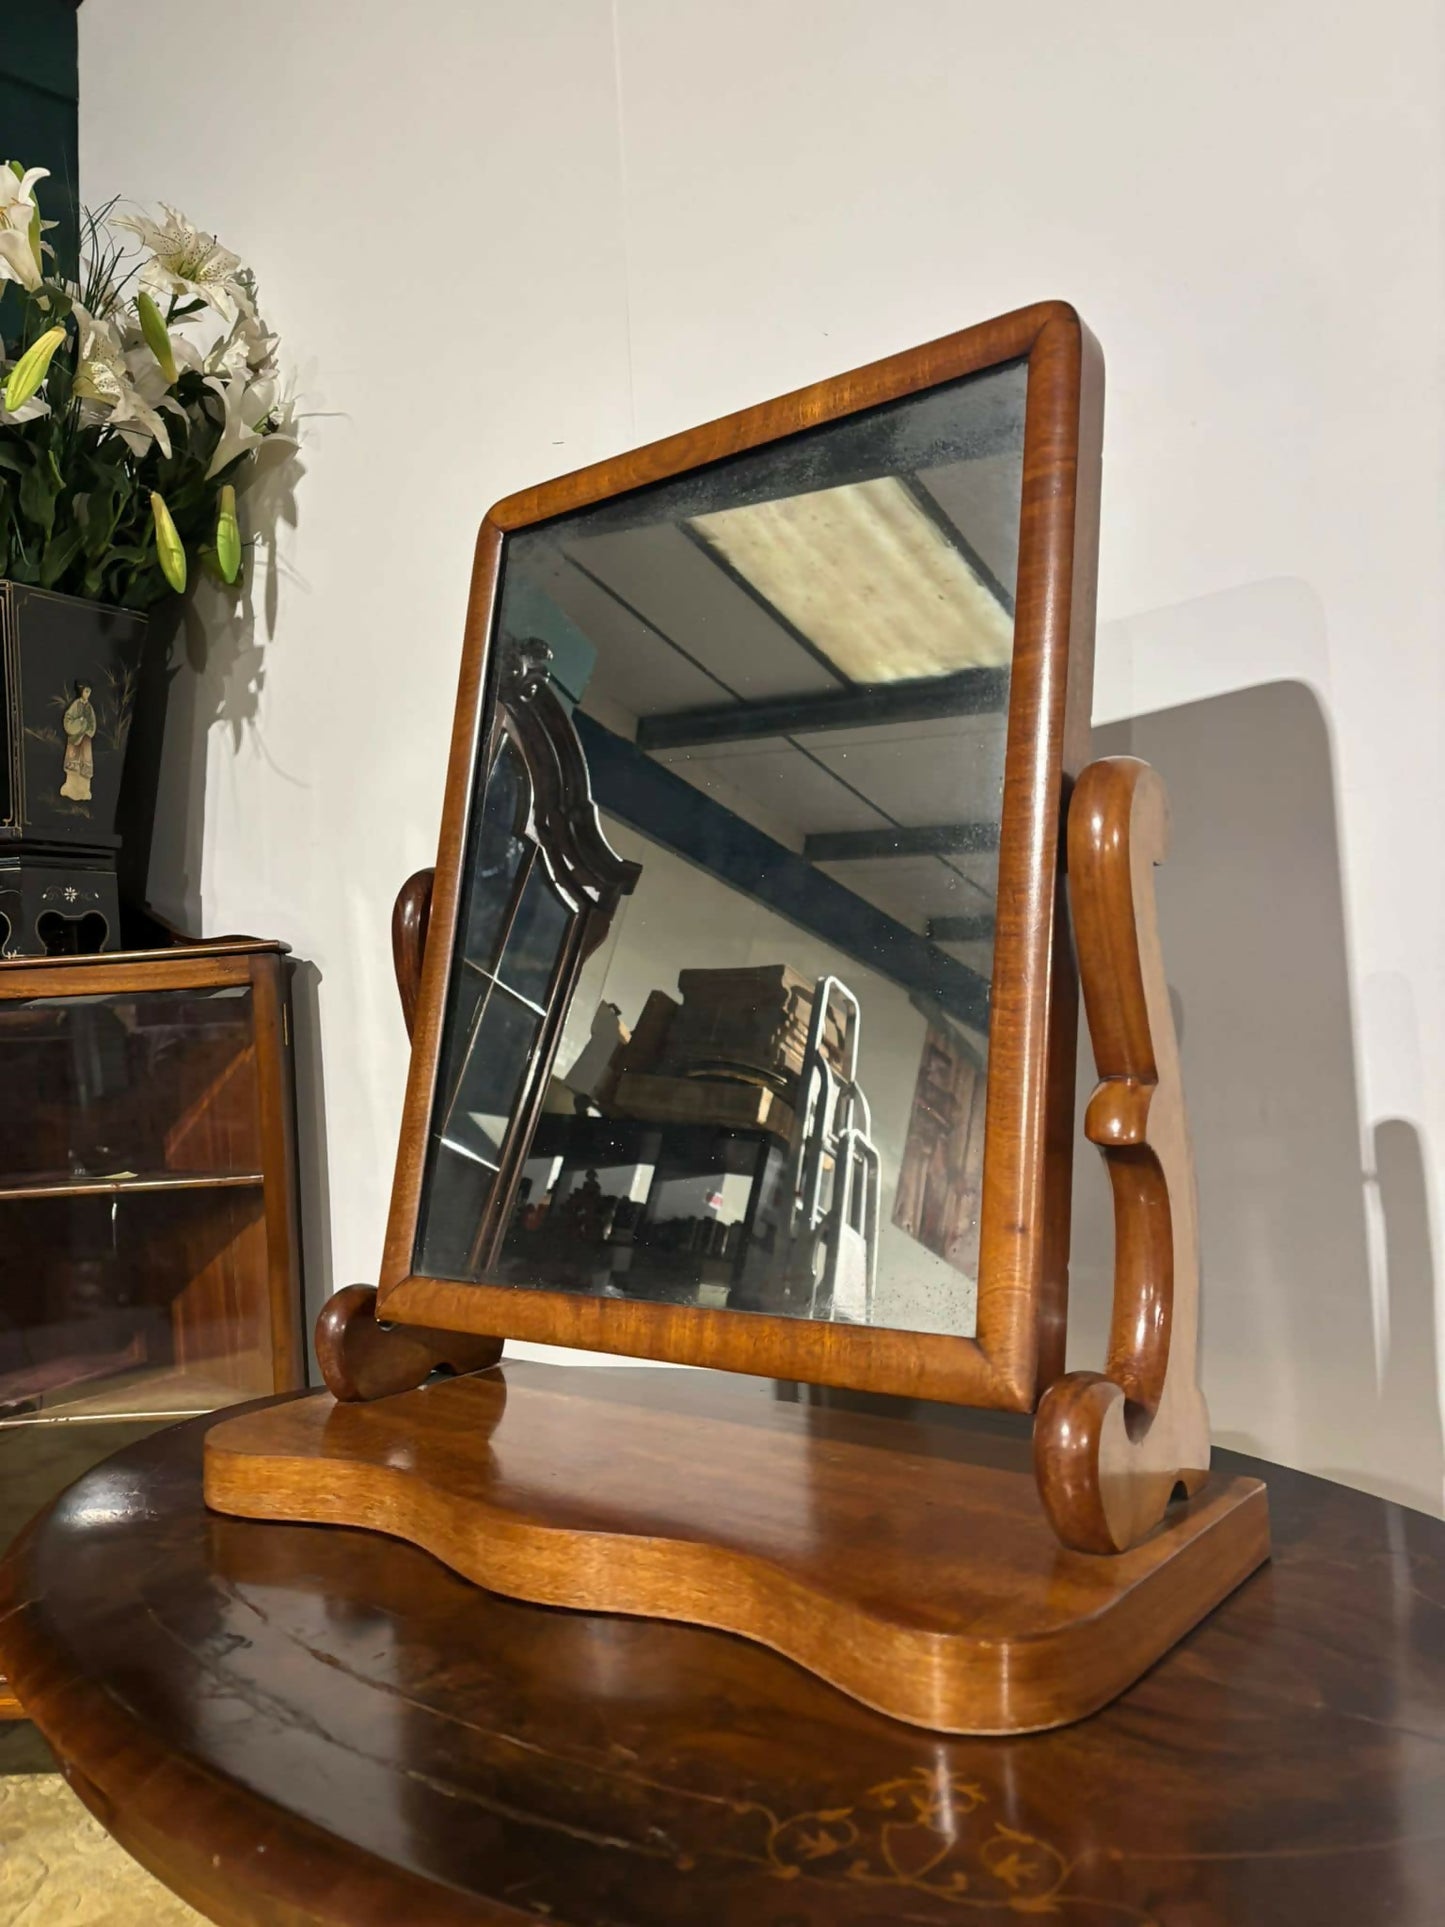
{"points": [[39, 88]]}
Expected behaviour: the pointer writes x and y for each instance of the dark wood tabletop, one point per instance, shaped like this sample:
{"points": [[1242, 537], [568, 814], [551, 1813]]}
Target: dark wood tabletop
{"points": [[306, 1724]]}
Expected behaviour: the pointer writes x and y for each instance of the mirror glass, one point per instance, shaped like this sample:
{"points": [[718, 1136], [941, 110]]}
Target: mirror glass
{"points": [[746, 1068]]}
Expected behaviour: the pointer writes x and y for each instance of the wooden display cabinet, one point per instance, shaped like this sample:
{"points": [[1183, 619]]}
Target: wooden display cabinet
{"points": [[149, 1259]]}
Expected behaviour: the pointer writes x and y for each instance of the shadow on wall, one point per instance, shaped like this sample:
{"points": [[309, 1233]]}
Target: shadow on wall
{"points": [[208, 669], [1300, 1362]]}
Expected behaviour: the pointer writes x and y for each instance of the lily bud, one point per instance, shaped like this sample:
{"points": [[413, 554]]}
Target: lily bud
{"points": [[170, 551], [31, 369], [157, 336], [228, 536]]}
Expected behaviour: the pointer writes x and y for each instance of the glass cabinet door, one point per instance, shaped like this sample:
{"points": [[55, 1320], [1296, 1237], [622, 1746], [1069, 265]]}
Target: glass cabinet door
{"points": [[133, 1255]]}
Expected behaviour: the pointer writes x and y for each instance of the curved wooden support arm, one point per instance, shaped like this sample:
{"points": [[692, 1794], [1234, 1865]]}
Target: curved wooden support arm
{"points": [[409, 919], [1111, 1448], [359, 1358]]}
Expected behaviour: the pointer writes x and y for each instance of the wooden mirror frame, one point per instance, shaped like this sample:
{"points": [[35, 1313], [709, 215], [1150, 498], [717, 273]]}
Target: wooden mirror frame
{"points": [[1018, 1349]]}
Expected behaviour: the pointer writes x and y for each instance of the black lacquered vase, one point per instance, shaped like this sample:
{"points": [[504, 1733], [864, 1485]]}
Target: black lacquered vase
{"points": [[71, 674]]}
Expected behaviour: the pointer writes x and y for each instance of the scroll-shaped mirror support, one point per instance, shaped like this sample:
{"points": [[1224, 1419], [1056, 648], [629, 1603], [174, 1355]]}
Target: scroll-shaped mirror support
{"points": [[409, 919], [362, 1359], [359, 1358], [1112, 1448]]}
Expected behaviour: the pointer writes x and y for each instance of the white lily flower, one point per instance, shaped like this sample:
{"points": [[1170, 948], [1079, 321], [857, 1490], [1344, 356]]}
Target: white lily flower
{"points": [[187, 353], [247, 347], [239, 430], [189, 263], [282, 433], [251, 348], [256, 412], [18, 258], [142, 370], [202, 342], [108, 391], [147, 380]]}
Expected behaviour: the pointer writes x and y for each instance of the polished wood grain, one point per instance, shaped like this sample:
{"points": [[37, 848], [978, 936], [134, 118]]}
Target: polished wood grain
{"points": [[1112, 1447], [868, 1547], [361, 1359], [183, 946], [121, 972], [299, 1726], [36, 1462], [1022, 1292], [409, 918]]}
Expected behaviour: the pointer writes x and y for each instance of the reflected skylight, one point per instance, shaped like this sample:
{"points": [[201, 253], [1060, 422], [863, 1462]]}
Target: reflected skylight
{"points": [[872, 582]]}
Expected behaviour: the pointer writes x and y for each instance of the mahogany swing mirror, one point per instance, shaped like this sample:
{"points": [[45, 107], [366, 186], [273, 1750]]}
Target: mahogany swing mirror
{"points": [[745, 1036], [744, 1030]]}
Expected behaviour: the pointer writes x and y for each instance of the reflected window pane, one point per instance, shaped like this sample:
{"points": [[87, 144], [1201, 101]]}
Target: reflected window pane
{"points": [[469, 1151], [501, 853], [535, 940], [489, 1085]]}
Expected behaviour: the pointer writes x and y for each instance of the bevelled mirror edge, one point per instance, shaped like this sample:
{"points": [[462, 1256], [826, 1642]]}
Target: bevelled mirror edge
{"points": [[1021, 1293]]}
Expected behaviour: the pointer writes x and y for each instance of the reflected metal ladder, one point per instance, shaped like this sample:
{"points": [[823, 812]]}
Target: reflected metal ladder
{"points": [[829, 1256]]}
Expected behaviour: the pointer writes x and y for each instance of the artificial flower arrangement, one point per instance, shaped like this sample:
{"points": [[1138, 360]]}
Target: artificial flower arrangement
{"points": [[134, 398]]}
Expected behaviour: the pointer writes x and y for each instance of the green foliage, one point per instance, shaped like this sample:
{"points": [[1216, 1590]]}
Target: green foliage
{"points": [[75, 500], [77, 482]]}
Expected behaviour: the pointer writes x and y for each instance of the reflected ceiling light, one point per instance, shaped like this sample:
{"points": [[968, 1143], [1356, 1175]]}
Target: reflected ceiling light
{"points": [[868, 578]]}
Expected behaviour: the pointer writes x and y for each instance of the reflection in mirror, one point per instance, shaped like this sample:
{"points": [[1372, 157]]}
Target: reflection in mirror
{"points": [[717, 1022]]}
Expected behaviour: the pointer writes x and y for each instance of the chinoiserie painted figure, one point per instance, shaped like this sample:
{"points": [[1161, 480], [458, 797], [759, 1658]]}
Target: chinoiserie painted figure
{"points": [[79, 726]]}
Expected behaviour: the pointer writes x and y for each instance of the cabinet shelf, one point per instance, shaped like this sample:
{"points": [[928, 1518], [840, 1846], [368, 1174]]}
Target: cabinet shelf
{"points": [[129, 1392], [60, 1185]]}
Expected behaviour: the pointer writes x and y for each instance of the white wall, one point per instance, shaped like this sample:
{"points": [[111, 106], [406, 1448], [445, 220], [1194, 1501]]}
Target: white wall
{"points": [[501, 241]]}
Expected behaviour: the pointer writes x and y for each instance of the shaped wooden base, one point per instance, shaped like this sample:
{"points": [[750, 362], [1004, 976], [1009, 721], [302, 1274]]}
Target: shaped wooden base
{"points": [[871, 1547]]}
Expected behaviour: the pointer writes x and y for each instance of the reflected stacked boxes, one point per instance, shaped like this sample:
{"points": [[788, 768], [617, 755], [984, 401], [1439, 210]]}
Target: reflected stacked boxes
{"points": [[730, 1053]]}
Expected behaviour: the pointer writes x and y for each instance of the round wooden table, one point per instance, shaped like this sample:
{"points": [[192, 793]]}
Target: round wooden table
{"points": [[306, 1724]]}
